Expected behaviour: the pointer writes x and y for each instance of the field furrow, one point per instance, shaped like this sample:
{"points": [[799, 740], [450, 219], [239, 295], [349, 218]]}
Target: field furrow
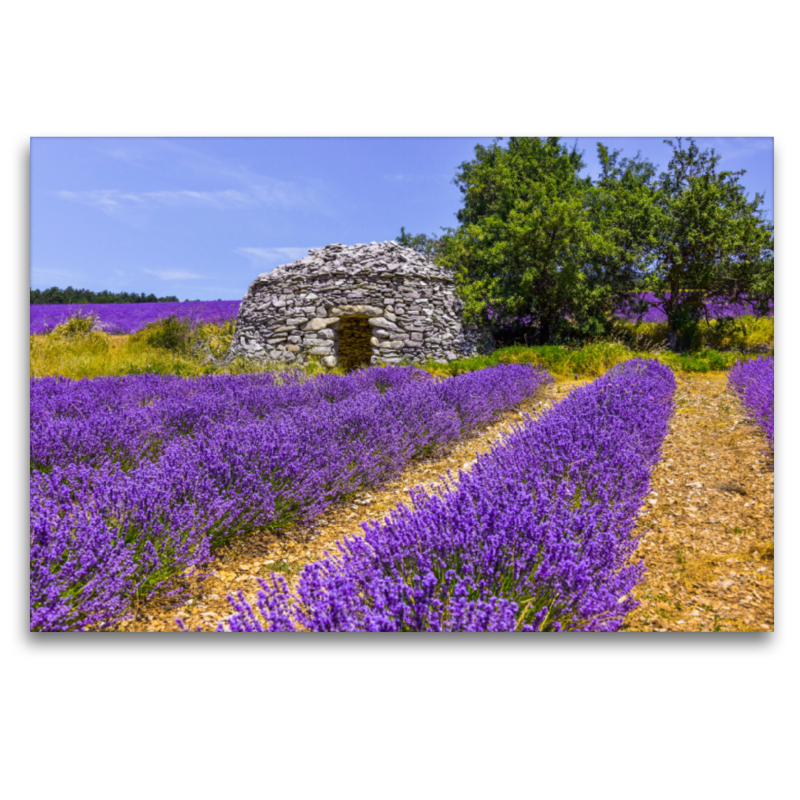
{"points": [[707, 524]]}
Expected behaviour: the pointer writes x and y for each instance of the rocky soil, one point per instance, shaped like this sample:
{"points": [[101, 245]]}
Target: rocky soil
{"points": [[709, 520]]}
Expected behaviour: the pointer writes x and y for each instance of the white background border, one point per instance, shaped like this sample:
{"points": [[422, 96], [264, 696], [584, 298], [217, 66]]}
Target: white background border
{"points": [[658, 716]]}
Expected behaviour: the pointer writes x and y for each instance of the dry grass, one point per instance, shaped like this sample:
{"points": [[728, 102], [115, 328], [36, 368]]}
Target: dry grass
{"points": [[94, 354], [748, 335]]}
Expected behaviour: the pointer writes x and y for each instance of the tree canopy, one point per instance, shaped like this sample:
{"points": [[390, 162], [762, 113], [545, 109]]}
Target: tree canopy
{"points": [[525, 236], [538, 243], [708, 243]]}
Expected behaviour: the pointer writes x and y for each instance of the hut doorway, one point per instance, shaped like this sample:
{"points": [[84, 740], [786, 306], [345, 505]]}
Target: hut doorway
{"points": [[354, 348]]}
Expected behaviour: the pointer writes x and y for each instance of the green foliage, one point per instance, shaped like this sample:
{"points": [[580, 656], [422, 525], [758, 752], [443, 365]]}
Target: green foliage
{"points": [[77, 324], [525, 238], [539, 246], [589, 361], [702, 361], [623, 216], [745, 334], [707, 243], [169, 333], [212, 339], [56, 296], [427, 245]]}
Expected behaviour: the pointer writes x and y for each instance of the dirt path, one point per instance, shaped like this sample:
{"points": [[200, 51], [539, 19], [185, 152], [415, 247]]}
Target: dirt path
{"points": [[239, 566], [708, 546]]}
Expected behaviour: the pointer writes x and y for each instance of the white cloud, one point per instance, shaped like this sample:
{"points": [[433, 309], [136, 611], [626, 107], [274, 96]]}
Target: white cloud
{"points": [[267, 258], [736, 148], [115, 202], [174, 274], [39, 275]]}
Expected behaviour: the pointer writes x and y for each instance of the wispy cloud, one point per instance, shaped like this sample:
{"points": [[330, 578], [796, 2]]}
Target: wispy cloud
{"points": [[115, 201], [405, 178], [229, 185], [267, 258], [402, 177], [40, 275], [174, 274], [740, 146]]}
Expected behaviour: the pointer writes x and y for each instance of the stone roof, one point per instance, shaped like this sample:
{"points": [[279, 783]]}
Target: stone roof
{"points": [[376, 258]]}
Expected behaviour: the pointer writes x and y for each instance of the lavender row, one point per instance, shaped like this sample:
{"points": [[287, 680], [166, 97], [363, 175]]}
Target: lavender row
{"points": [[536, 537], [128, 419], [754, 382], [102, 535], [131, 317]]}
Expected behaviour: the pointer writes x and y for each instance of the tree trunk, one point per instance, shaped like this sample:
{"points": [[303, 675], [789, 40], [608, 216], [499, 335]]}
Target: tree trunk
{"points": [[672, 338], [544, 331]]}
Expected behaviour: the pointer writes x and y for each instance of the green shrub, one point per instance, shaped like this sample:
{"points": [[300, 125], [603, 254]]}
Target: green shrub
{"points": [[78, 324], [169, 333]]}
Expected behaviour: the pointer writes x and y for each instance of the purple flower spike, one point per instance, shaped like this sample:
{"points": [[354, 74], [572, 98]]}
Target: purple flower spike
{"points": [[754, 382], [536, 537], [134, 480]]}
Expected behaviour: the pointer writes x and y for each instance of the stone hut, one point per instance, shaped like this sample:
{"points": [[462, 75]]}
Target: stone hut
{"points": [[354, 306]]}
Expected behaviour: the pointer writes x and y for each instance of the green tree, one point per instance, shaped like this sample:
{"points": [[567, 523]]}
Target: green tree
{"points": [[427, 245], [526, 238], [624, 214], [708, 243], [54, 295]]}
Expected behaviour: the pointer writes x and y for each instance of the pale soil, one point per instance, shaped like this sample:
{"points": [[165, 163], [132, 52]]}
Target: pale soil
{"points": [[707, 547], [708, 522]]}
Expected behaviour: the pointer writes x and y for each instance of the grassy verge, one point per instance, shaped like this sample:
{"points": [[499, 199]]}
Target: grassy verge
{"points": [[589, 361], [168, 347], [171, 346]]}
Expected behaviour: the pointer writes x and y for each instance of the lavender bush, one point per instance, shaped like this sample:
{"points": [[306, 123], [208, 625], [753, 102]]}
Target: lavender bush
{"points": [[131, 317], [536, 537], [754, 382], [126, 419], [136, 479]]}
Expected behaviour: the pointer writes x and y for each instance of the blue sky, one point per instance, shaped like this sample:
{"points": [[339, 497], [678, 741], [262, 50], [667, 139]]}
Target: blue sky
{"points": [[200, 218]]}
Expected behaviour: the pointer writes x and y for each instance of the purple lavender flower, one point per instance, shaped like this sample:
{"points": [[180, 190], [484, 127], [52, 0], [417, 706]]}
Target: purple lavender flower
{"points": [[536, 537], [654, 312], [754, 382], [131, 317], [136, 479]]}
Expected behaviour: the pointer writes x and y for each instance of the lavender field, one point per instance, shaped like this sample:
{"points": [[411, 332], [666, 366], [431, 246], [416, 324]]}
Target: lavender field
{"points": [[536, 537], [120, 318], [136, 479], [716, 310]]}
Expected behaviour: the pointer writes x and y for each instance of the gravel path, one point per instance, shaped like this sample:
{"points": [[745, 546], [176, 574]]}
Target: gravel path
{"points": [[708, 522]]}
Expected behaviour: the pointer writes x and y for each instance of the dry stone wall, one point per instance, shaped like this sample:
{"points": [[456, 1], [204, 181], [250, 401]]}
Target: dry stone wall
{"points": [[356, 305]]}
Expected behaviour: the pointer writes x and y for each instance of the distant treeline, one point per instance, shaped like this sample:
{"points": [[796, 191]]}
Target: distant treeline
{"points": [[54, 295]]}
